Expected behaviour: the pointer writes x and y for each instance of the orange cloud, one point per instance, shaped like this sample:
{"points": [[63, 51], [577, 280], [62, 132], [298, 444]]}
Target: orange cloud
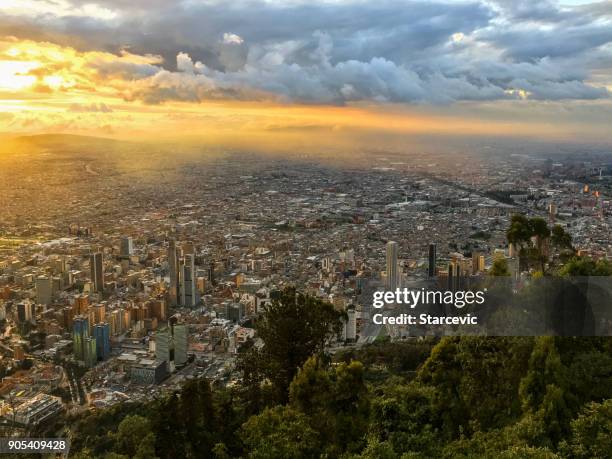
{"points": [[50, 88]]}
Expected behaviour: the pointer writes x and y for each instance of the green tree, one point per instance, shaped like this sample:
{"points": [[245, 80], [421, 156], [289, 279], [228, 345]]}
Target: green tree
{"points": [[404, 416], [134, 437], [492, 371], [146, 448], [591, 432], [197, 417], [280, 432], [171, 438], [443, 372], [376, 449], [545, 368], [228, 417], [255, 391], [584, 266], [336, 399], [520, 230], [293, 328], [310, 390], [561, 239], [523, 232], [220, 451], [543, 392], [499, 268]]}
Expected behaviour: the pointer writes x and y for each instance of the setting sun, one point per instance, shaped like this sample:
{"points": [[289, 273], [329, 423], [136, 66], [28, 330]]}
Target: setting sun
{"points": [[14, 75]]}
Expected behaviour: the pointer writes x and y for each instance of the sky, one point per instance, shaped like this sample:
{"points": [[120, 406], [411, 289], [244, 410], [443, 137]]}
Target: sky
{"points": [[155, 68]]}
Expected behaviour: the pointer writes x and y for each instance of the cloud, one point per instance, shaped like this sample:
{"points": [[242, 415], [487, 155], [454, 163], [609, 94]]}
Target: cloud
{"points": [[90, 108], [232, 39], [424, 52], [269, 73]]}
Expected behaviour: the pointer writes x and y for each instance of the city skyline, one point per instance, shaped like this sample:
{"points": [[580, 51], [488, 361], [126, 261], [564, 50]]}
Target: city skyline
{"points": [[306, 229]]}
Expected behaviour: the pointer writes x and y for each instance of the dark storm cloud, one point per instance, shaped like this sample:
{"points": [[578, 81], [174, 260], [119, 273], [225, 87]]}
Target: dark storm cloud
{"points": [[321, 52]]}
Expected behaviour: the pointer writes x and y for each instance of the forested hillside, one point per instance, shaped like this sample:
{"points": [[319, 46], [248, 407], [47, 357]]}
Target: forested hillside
{"points": [[541, 397]]}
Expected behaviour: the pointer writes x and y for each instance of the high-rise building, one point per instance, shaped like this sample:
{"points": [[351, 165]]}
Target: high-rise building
{"points": [[59, 265], [99, 313], [80, 331], [44, 289], [57, 283], [158, 309], [102, 336], [81, 304], [125, 319], [475, 261], [188, 284], [351, 325], [96, 267], [67, 317], [512, 250], [234, 311], [431, 269], [180, 344], [91, 352], [173, 270], [458, 279], [116, 324], [481, 263], [127, 247], [163, 344], [24, 312], [392, 272], [211, 273]]}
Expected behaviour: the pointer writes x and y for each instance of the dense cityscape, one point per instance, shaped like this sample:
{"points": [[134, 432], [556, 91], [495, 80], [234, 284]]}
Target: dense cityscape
{"points": [[306, 229], [123, 275]]}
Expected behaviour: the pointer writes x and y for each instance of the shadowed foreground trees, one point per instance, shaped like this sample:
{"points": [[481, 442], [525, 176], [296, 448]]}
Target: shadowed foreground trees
{"points": [[292, 328], [543, 397], [455, 397]]}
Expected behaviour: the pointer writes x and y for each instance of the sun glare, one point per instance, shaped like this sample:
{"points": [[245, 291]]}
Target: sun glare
{"points": [[53, 81], [14, 75]]}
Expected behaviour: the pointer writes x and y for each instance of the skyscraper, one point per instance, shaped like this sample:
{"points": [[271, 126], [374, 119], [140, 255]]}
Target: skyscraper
{"points": [[90, 352], [211, 273], [116, 322], [127, 247], [188, 287], [158, 309], [475, 259], [96, 267], [44, 289], [458, 279], [173, 273], [81, 304], [351, 325], [99, 313], [431, 269], [80, 331], [180, 344], [392, 274], [102, 336], [163, 344], [24, 312]]}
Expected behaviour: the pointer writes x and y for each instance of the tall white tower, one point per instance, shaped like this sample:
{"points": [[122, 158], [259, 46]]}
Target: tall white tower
{"points": [[392, 275]]}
